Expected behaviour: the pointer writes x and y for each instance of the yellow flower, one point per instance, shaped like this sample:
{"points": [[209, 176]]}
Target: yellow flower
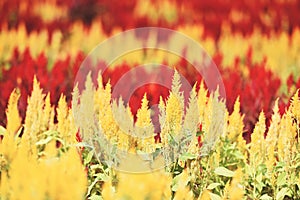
{"points": [[8, 143], [34, 112], [12, 113], [154, 185], [295, 106], [257, 148], [49, 176], [235, 190], [215, 122], [65, 122], [236, 126], [144, 128], [286, 137], [272, 136], [202, 101], [205, 195], [173, 110], [183, 191]]}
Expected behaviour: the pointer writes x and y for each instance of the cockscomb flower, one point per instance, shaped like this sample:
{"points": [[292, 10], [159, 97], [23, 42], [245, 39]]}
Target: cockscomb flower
{"points": [[235, 127], [174, 110], [144, 128], [272, 136], [257, 148], [236, 189]]}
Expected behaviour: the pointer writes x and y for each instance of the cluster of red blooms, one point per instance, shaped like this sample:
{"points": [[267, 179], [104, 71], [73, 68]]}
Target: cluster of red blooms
{"points": [[241, 15]]}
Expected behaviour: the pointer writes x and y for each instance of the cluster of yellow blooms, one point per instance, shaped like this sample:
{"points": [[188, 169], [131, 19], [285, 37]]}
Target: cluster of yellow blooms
{"points": [[32, 167], [279, 49], [39, 160]]}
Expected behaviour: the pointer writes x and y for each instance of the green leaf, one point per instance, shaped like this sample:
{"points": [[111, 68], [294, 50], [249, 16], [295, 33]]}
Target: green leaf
{"points": [[280, 195], [238, 155], [259, 183], [103, 177], [265, 197], [178, 181], [175, 181], [213, 186], [259, 178], [156, 153], [89, 157], [19, 132], [95, 197], [2, 130], [222, 171], [96, 166], [199, 133], [171, 140], [91, 186], [281, 180], [50, 132], [187, 156], [214, 196], [44, 141], [280, 166]]}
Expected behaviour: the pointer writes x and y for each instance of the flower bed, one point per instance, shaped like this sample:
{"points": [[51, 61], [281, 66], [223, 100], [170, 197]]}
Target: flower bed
{"points": [[245, 146]]}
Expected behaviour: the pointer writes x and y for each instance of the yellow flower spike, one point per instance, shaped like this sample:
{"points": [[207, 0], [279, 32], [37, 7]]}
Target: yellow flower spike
{"points": [[144, 128], [25, 160], [286, 137], [51, 150], [143, 114], [34, 112], [257, 148], [75, 173], [174, 109], [98, 93], [73, 129], [183, 191], [202, 101], [130, 113], [8, 147], [85, 116], [65, 122], [48, 177], [191, 119], [48, 117], [49, 12], [8, 144], [140, 186], [214, 122], [235, 190], [12, 113], [207, 118], [21, 37], [104, 108], [162, 120], [62, 113], [174, 112], [108, 191], [295, 106], [236, 125], [272, 136], [237, 50], [205, 195]]}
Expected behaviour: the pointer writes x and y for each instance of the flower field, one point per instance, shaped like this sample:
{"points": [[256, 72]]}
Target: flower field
{"points": [[62, 130]]}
